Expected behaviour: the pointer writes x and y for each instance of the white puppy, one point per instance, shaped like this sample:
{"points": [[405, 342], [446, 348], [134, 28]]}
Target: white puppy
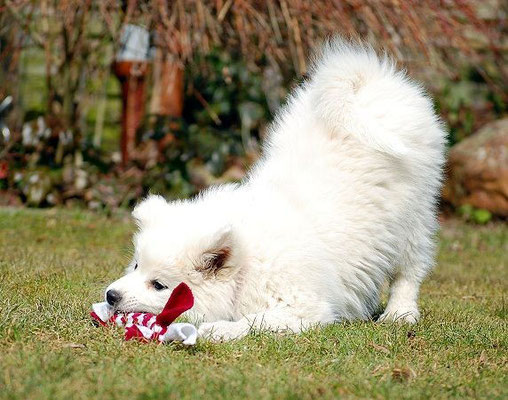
{"points": [[343, 199]]}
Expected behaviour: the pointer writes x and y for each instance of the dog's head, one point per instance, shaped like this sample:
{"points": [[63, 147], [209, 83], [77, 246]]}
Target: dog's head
{"points": [[182, 241]]}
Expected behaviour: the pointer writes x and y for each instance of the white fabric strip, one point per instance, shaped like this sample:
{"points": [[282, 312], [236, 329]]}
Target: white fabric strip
{"points": [[181, 332], [103, 310]]}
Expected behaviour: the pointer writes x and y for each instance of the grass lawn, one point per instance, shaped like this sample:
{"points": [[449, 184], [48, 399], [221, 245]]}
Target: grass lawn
{"points": [[55, 263]]}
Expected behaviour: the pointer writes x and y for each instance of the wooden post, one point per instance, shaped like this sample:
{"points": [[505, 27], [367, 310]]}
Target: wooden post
{"points": [[131, 75]]}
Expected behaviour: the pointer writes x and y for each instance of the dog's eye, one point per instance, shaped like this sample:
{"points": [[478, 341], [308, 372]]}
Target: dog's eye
{"points": [[136, 266], [158, 286]]}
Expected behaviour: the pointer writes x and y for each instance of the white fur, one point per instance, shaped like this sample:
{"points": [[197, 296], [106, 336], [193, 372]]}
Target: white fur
{"points": [[343, 199]]}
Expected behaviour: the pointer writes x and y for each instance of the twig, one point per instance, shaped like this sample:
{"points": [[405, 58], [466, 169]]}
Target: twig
{"points": [[224, 10], [38, 39], [299, 47], [273, 20], [207, 107]]}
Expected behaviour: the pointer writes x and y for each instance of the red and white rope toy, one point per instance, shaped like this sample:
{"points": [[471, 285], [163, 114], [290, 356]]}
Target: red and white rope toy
{"points": [[147, 326]]}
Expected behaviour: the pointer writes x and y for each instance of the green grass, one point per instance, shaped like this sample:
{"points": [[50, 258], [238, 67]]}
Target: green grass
{"points": [[54, 264]]}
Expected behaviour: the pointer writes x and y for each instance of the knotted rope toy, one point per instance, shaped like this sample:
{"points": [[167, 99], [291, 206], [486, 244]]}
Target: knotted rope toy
{"points": [[147, 326]]}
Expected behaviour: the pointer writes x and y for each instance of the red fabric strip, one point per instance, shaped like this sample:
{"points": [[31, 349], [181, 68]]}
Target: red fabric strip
{"points": [[181, 300]]}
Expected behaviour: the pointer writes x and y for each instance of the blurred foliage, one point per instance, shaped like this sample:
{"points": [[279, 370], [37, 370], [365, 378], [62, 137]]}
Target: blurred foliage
{"points": [[225, 112], [476, 215], [227, 106], [467, 102], [215, 140], [240, 58]]}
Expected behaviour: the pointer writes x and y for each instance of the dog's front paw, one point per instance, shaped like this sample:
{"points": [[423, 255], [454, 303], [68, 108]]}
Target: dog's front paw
{"points": [[407, 314], [222, 331]]}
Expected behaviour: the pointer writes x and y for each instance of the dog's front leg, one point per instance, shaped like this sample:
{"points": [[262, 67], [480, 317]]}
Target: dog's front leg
{"points": [[278, 320]]}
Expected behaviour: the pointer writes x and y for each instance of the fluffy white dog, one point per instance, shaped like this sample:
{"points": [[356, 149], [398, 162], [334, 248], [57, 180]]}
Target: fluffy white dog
{"points": [[343, 199]]}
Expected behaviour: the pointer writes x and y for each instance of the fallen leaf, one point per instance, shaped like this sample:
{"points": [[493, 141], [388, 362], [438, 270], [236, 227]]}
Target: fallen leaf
{"points": [[74, 345], [380, 348], [403, 374]]}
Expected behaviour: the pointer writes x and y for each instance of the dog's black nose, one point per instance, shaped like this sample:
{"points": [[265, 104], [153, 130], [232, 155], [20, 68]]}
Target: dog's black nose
{"points": [[113, 297]]}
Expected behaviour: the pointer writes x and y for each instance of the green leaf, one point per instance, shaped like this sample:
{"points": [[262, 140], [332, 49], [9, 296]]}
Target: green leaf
{"points": [[482, 216]]}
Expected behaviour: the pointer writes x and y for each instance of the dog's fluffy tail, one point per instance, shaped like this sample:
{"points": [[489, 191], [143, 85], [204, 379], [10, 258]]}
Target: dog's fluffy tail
{"points": [[357, 93]]}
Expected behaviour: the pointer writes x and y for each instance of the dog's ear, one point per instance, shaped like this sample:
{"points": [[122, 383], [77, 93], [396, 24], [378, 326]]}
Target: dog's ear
{"points": [[149, 210], [216, 257]]}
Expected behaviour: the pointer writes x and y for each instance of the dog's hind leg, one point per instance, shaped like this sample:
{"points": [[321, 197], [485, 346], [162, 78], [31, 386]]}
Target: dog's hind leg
{"points": [[416, 262]]}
